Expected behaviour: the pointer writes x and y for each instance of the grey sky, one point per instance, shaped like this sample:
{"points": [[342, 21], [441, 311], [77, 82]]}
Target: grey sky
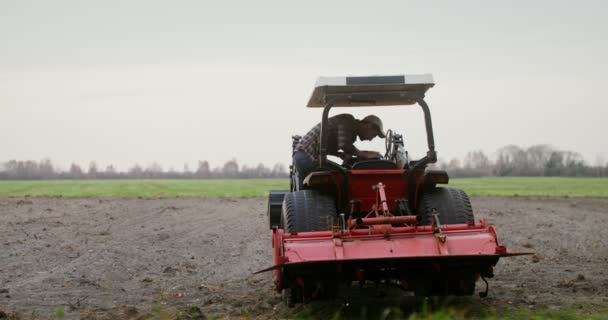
{"points": [[177, 81]]}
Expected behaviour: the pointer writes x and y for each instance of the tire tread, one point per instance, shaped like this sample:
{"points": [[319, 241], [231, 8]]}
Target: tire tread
{"points": [[454, 206], [307, 210]]}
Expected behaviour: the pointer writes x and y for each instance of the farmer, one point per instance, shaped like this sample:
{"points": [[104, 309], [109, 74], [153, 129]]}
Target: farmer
{"points": [[342, 131]]}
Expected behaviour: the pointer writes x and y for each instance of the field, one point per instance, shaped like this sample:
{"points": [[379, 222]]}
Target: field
{"points": [[245, 188], [251, 188], [152, 249]]}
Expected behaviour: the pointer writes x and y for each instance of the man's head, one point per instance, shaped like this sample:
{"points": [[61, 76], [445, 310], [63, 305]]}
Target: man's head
{"points": [[370, 127]]}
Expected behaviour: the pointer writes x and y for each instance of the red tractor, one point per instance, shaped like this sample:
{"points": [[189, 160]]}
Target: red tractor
{"points": [[384, 220]]}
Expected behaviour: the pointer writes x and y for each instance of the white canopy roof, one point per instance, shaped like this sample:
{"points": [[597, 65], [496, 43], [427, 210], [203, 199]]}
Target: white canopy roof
{"points": [[369, 90]]}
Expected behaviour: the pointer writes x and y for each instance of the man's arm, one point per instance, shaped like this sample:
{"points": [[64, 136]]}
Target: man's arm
{"points": [[345, 140]]}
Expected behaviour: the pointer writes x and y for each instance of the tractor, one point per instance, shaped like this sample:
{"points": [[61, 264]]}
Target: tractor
{"points": [[389, 220]]}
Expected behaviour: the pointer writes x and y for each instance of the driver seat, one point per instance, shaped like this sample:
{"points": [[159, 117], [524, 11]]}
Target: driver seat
{"points": [[375, 164]]}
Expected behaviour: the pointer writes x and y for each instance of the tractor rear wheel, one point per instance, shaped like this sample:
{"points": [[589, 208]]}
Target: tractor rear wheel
{"points": [[453, 206], [307, 210]]}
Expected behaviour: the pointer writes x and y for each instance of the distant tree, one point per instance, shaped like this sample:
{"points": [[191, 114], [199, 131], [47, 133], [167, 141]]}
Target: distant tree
{"points": [[279, 171], [110, 172], [203, 172], [10, 169], [93, 172], [46, 169], [28, 169], [454, 164], [230, 169], [476, 163], [217, 172], [598, 165], [510, 160], [153, 171], [245, 172], [574, 164], [555, 165], [261, 171], [186, 173], [537, 158], [172, 174], [136, 172], [454, 168], [76, 172]]}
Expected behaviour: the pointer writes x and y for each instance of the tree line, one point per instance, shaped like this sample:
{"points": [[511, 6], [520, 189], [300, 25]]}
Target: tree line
{"points": [[511, 160], [45, 169], [537, 160]]}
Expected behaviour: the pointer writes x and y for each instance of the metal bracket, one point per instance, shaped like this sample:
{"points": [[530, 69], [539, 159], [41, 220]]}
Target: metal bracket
{"points": [[437, 226], [381, 200]]}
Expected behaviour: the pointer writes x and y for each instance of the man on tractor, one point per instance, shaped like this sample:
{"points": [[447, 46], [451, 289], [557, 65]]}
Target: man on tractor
{"points": [[342, 132]]}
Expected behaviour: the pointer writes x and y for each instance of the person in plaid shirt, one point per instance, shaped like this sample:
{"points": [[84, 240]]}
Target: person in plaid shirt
{"points": [[342, 132]]}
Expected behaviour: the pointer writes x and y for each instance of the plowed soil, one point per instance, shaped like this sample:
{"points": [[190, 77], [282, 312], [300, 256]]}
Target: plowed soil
{"points": [[128, 259]]}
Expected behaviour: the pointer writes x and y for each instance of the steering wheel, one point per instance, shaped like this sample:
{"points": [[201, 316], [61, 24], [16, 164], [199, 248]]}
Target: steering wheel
{"points": [[388, 144]]}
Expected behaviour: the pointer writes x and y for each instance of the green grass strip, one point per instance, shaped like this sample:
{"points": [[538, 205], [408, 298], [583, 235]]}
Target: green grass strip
{"points": [[256, 188], [534, 186], [245, 188]]}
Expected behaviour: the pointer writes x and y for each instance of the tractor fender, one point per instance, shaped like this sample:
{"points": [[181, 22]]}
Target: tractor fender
{"points": [[429, 180], [275, 202]]}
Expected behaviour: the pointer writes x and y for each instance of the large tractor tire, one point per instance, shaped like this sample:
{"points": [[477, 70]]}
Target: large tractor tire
{"points": [[307, 210], [453, 206]]}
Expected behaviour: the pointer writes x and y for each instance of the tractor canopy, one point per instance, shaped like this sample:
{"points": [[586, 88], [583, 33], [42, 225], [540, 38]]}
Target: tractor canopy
{"points": [[370, 91]]}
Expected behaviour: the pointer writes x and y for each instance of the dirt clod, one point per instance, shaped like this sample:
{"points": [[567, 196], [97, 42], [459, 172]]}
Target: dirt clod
{"points": [[170, 271]]}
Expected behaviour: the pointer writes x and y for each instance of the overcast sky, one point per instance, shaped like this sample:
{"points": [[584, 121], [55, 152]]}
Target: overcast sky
{"points": [[179, 81]]}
